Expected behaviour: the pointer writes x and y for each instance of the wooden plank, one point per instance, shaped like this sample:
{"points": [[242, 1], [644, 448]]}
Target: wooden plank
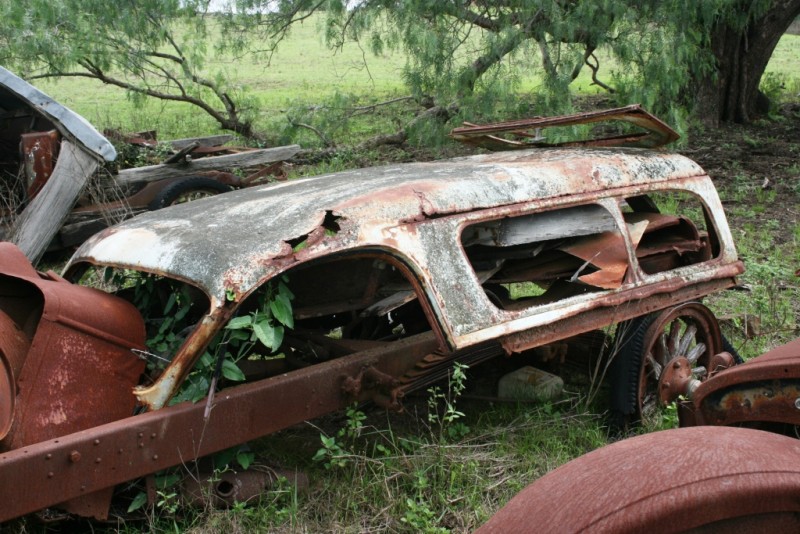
{"points": [[217, 163], [40, 221], [74, 234], [557, 224], [211, 140]]}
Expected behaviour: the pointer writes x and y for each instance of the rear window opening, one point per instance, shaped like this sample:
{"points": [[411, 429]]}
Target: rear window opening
{"points": [[540, 258], [677, 230]]}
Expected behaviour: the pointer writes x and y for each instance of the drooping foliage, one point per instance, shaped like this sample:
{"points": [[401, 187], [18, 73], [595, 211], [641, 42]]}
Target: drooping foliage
{"points": [[474, 52], [150, 48], [467, 55]]}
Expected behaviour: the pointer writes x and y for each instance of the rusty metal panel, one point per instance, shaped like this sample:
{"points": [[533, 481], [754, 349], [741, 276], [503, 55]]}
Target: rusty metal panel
{"points": [[79, 370], [39, 153], [14, 262], [713, 479], [656, 134], [766, 388], [13, 348], [611, 310], [75, 373]]}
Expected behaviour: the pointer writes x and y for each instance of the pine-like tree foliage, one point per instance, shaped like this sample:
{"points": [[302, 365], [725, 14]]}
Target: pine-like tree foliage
{"points": [[463, 55], [472, 52], [150, 48]]}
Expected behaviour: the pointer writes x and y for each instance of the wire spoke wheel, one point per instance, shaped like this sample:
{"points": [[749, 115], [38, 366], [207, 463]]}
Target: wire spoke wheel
{"points": [[690, 331]]}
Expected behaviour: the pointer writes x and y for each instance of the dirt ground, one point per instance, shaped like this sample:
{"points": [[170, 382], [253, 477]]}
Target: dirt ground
{"points": [[763, 155]]}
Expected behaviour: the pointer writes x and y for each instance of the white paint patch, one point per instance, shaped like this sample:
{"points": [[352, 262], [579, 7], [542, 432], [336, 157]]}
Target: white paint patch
{"points": [[137, 246]]}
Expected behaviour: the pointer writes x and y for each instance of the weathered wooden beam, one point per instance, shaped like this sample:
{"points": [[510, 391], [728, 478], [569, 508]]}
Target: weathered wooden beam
{"points": [[211, 140], [40, 221], [527, 229], [216, 163]]}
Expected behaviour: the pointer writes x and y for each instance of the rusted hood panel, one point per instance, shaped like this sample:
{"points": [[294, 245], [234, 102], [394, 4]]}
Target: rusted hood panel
{"points": [[251, 230]]}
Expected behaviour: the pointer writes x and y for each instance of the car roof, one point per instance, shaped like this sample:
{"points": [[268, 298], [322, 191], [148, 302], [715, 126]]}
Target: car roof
{"points": [[233, 241]]}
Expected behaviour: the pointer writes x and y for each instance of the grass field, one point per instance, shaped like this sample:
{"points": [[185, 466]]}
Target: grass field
{"points": [[417, 472], [305, 72]]}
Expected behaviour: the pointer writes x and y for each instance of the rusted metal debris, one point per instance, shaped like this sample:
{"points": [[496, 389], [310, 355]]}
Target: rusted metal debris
{"points": [[527, 133], [396, 273], [763, 390], [223, 490]]}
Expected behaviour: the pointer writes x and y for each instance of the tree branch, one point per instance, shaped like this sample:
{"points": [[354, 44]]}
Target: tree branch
{"points": [[324, 138], [595, 68]]}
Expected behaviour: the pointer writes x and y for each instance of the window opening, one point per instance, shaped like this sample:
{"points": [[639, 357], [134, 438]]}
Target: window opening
{"points": [[539, 258], [677, 230]]}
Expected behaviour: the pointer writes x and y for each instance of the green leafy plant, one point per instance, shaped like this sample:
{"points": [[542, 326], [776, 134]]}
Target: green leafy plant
{"points": [[336, 449], [331, 454], [241, 454], [241, 338], [421, 518], [442, 410], [165, 483]]}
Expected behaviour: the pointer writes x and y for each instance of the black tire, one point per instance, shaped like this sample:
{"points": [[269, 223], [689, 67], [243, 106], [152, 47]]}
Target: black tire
{"points": [[727, 347], [626, 374], [181, 191]]}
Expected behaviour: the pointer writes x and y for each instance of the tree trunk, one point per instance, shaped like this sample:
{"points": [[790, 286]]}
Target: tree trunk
{"points": [[731, 93]]}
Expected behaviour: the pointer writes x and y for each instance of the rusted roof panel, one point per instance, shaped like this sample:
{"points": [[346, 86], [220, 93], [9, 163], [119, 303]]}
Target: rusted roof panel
{"points": [[234, 240]]}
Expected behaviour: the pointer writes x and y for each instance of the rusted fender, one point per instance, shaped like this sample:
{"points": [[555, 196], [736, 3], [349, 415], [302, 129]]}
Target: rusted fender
{"points": [[766, 388], [723, 479]]}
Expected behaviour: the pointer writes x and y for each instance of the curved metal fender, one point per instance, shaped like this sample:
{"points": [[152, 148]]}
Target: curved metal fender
{"points": [[669, 481]]}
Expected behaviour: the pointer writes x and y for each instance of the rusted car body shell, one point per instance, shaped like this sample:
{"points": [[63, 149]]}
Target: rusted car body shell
{"points": [[764, 389], [78, 371], [705, 478], [416, 212], [410, 216]]}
